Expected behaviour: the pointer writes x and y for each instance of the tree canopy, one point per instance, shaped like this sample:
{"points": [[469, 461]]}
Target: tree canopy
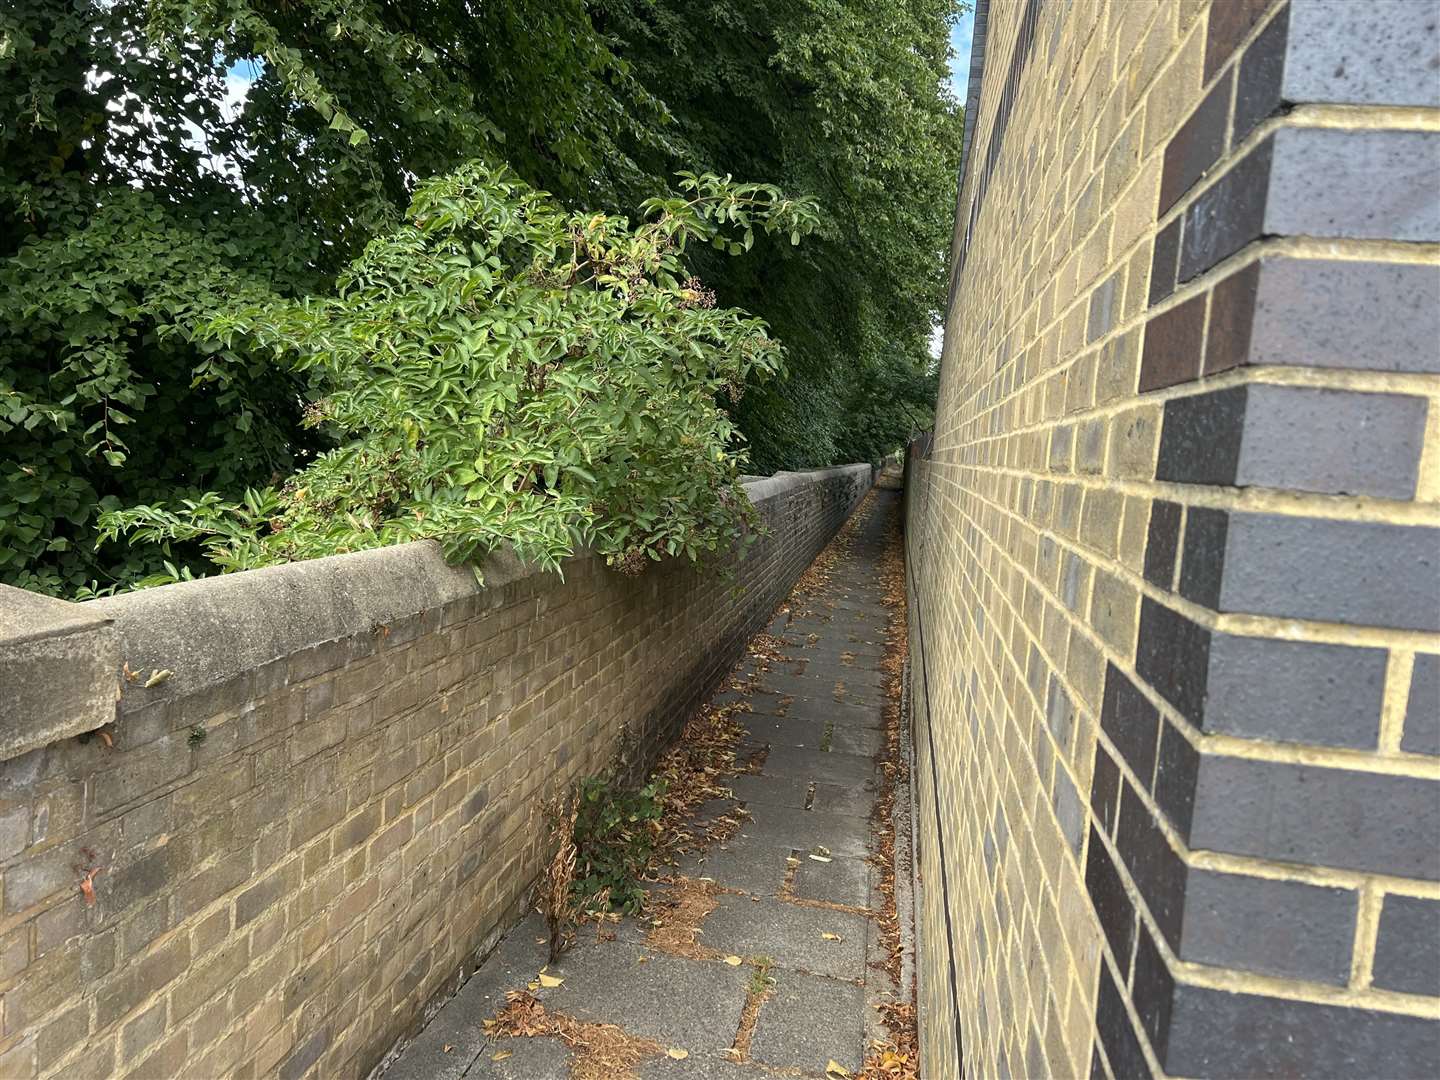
{"points": [[184, 280]]}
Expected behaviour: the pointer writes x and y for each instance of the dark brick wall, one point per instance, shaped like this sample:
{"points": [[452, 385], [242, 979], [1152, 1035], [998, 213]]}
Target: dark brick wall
{"points": [[1185, 478]]}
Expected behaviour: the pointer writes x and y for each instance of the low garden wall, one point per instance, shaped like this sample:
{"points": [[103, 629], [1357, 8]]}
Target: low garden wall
{"points": [[268, 861]]}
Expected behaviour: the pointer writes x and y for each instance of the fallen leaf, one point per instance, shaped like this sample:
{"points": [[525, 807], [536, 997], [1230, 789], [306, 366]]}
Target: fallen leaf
{"points": [[532, 985], [157, 677], [550, 980], [827, 936], [501, 1055], [643, 960], [834, 1068], [446, 1048], [820, 858], [678, 1054], [733, 961]]}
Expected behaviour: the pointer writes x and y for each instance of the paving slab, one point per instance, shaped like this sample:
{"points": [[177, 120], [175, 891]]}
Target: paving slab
{"points": [[784, 730], [772, 790], [809, 1022], [816, 664], [864, 741], [690, 1004], [833, 671], [822, 710], [837, 690], [791, 935], [539, 1058], [821, 766], [787, 829], [846, 799], [757, 870], [840, 881]]}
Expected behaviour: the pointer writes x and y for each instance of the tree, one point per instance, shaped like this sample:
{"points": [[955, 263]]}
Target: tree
{"points": [[134, 205], [137, 202], [848, 101]]}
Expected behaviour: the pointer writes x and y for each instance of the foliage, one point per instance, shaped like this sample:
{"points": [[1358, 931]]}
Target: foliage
{"points": [[114, 232], [848, 101], [499, 370], [615, 834], [138, 201]]}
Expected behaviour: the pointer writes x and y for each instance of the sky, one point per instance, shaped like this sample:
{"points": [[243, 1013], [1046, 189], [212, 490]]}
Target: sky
{"points": [[961, 34]]}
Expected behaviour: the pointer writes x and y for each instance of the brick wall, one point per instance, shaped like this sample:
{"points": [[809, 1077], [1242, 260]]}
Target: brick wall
{"points": [[1174, 549], [285, 895]]}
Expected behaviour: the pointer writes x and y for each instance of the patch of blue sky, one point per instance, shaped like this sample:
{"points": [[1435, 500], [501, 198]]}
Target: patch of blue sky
{"points": [[247, 69], [962, 36]]}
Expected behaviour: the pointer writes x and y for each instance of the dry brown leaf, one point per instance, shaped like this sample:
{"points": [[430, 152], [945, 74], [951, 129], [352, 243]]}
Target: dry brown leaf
{"points": [[834, 1068], [733, 961], [825, 935], [501, 1055], [550, 981]]}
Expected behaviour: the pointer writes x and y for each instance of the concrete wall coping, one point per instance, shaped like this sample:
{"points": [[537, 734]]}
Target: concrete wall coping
{"points": [[211, 630]]}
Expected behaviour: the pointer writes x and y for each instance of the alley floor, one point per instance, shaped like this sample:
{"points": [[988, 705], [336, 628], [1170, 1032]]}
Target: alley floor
{"points": [[791, 958]]}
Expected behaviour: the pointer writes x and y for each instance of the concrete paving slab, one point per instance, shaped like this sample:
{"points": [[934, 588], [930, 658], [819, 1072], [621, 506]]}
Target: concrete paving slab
{"points": [[846, 799], [864, 741], [754, 869], [771, 790], [837, 690], [835, 670], [828, 798], [840, 881], [783, 731], [540, 1058], [788, 829], [822, 767], [691, 1004], [791, 935], [820, 711], [810, 1021]]}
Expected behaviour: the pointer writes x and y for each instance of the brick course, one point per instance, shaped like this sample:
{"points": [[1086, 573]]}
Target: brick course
{"points": [[358, 824], [1185, 479]]}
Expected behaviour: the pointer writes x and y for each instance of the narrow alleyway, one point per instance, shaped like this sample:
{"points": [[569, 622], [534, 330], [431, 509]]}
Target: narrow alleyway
{"points": [[769, 949]]}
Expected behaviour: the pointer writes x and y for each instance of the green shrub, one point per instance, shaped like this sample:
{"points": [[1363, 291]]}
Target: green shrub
{"points": [[500, 370], [615, 834]]}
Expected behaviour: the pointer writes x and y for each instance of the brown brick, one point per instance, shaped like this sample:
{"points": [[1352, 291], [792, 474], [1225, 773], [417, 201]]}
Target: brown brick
{"points": [[1230, 21], [1173, 339]]}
